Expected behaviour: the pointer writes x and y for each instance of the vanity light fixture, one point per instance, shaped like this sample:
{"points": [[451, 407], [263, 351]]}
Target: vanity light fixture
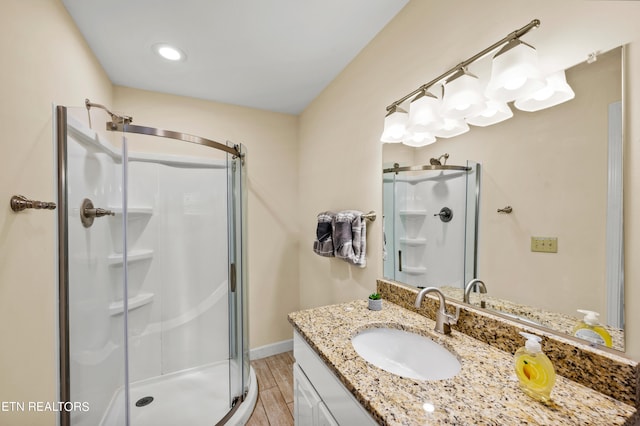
{"points": [[395, 125], [493, 112], [169, 52], [515, 76], [462, 95], [424, 113], [418, 139], [451, 128], [556, 91], [514, 72]]}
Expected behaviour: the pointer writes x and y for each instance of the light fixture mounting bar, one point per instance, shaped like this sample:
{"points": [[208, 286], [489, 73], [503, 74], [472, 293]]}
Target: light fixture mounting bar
{"points": [[513, 35]]}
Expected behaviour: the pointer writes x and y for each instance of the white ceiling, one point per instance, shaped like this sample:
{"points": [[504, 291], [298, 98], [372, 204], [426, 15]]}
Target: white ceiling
{"points": [[275, 55]]}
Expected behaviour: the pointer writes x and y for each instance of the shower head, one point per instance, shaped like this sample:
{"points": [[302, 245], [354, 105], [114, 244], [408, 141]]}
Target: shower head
{"points": [[437, 162], [115, 118]]}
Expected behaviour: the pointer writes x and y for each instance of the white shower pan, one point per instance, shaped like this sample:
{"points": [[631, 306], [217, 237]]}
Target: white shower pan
{"points": [[194, 397]]}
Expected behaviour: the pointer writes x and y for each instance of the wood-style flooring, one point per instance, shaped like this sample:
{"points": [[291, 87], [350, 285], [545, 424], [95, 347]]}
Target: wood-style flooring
{"points": [[275, 391]]}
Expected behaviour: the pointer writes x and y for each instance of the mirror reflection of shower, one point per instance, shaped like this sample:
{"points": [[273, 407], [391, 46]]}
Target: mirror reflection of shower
{"points": [[425, 246]]}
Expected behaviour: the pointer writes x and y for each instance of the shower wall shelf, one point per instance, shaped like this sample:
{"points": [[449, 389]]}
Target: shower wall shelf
{"points": [[413, 241], [414, 270], [116, 259], [116, 308], [412, 212], [133, 211]]}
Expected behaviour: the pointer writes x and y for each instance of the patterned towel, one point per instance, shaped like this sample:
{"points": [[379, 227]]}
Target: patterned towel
{"points": [[323, 244], [350, 237]]}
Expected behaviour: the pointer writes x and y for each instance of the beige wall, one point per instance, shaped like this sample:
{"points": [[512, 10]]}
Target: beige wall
{"points": [[341, 128], [272, 166], [44, 60]]}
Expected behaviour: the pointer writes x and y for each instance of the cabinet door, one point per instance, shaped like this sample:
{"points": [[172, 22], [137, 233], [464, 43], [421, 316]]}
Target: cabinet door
{"points": [[324, 416], [342, 405], [305, 399]]}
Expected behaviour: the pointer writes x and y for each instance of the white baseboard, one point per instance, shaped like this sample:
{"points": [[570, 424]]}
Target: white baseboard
{"points": [[271, 349]]}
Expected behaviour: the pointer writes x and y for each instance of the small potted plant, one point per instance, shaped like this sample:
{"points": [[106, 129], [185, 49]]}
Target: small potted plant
{"points": [[375, 302]]}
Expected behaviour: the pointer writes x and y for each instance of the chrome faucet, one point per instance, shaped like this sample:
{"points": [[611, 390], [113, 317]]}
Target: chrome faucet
{"points": [[443, 319], [470, 285]]}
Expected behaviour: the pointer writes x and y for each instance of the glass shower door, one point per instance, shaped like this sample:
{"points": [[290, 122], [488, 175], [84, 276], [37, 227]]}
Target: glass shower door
{"points": [[238, 295], [389, 224], [92, 338], [178, 282]]}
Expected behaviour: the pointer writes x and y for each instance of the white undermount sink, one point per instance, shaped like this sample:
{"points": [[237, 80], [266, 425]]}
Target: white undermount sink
{"points": [[406, 354]]}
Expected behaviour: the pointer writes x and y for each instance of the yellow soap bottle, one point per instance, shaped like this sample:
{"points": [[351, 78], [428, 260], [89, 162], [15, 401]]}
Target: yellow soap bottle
{"points": [[590, 329], [534, 369]]}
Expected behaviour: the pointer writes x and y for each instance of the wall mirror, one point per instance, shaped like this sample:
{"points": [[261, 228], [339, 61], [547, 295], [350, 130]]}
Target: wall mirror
{"points": [[559, 170]]}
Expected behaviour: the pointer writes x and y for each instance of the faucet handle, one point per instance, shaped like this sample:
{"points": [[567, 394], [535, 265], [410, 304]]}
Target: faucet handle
{"points": [[453, 319]]}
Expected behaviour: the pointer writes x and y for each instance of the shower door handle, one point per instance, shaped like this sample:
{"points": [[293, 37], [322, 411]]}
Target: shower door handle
{"points": [[88, 213], [232, 273]]}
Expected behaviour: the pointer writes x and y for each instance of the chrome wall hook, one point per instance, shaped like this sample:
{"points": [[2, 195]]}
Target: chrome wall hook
{"points": [[20, 203]]}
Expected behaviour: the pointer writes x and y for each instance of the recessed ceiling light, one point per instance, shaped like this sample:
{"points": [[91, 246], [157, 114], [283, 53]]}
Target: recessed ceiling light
{"points": [[169, 52]]}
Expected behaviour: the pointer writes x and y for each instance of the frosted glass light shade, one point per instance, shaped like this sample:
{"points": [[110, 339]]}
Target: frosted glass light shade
{"points": [[418, 139], [556, 91], [462, 96], [395, 125], [452, 128], [494, 112], [424, 113], [514, 72]]}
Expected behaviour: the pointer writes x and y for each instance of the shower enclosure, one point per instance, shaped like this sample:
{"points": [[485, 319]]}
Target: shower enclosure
{"points": [[152, 274], [430, 223]]}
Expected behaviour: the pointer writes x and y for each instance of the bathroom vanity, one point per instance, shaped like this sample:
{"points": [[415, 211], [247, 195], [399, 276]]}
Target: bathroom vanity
{"points": [[319, 396], [335, 385]]}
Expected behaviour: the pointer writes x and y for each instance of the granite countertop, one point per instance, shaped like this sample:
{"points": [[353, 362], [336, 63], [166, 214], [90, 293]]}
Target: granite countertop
{"points": [[485, 392]]}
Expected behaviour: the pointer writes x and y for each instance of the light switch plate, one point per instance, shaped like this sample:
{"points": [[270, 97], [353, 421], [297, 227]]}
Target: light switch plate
{"points": [[544, 244]]}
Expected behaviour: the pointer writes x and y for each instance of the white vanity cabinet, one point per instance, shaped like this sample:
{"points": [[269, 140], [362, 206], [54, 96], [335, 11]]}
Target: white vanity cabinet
{"points": [[319, 397], [308, 406]]}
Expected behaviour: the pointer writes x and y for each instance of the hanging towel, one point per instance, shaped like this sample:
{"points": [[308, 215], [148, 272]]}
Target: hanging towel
{"points": [[350, 237], [323, 244]]}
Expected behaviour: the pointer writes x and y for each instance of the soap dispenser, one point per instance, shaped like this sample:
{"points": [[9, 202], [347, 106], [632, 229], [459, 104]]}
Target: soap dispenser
{"points": [[534, 369], [590, 329]]}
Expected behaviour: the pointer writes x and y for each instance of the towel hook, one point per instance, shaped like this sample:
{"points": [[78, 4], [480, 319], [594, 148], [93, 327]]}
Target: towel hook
{"points": [[20, 203], [507, 209]]}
